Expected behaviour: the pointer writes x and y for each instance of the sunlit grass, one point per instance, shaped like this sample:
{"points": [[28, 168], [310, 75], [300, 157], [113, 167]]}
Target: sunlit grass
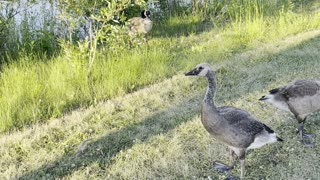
{"points": [[33, 91], [156, 132]]}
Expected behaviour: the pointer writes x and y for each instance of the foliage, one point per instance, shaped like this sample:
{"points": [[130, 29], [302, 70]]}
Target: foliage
{"points": [[35, 88], [28, 36], [105, 19]]}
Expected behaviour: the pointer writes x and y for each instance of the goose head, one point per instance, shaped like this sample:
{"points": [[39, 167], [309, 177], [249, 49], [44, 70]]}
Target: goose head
{"points": [[200, 70], [145, 14]]}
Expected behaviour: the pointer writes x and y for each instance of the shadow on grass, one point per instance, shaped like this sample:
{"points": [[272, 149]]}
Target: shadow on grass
{"points": [[182, 27], [104, 149]]}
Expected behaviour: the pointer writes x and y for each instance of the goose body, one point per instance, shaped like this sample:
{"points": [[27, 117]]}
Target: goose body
{"points": [[140, 25], [301, 97], [232, 126], [236, 128]]}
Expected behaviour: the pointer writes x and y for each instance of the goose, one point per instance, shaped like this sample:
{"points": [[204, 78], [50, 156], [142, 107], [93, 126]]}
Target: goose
{"points": [[140, 25], [234, 127], [301, 98]]}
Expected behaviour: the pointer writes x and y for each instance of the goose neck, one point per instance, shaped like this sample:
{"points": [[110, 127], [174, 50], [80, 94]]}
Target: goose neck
{"points": [[210, 89]]}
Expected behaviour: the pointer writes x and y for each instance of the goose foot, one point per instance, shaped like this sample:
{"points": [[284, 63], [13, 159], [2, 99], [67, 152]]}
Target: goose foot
{"points": [[221, 167], [232, 178], [307, 141], [307, 136], [308, 144]]}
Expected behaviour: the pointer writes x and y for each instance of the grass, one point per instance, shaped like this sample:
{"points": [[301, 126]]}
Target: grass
{"points": [[156, 133], [143, 114], [34, 91]]}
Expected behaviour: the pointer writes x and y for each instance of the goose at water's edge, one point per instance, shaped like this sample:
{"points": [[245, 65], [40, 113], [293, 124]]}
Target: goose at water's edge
{"points": [[301, 97], [234, 127]]}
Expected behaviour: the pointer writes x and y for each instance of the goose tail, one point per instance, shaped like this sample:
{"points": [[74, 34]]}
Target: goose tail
{"points": [[279, 139]]}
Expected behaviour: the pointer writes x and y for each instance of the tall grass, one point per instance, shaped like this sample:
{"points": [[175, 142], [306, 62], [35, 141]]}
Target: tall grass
{"points": [[35, 89], [32, 91], [27, 26]]}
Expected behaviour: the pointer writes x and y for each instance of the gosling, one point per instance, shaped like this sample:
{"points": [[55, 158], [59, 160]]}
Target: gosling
{"points": [[301, 98], [234, 127]]}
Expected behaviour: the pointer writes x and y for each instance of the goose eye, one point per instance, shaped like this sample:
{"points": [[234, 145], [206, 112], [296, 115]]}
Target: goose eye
{"points": [[200, 68]]}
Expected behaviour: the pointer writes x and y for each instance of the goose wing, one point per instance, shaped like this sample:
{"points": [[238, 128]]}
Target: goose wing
{"points": [[244, 130], [300, 88], [134, 22], [241, 120]]}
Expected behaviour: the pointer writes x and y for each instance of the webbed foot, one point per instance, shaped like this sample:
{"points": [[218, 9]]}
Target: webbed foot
{"points": [[221, 167], [307, 141], [232, 178], [308, 136]]}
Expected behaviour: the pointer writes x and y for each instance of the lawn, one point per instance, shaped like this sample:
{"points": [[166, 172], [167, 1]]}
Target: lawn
{"points": [[156, 133], [35, 88], [132, 114]]}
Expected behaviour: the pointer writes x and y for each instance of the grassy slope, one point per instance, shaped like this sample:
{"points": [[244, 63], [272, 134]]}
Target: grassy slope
{"points": [[34, 90], [156, 132]]}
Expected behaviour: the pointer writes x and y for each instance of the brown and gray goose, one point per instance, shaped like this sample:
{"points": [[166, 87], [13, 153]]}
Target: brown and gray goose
{"points": [[234, 127], [140, 25], [301, 97]]}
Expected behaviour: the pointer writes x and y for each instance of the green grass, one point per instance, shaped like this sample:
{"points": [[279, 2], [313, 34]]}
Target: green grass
{"points": [[35, 89], [156, 133], [143, 114]]}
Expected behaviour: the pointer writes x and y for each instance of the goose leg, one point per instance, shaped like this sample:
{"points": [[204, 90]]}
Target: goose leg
{"points": [[242, 166], [242, 157], [146, 39], [220, 167], [233, 158], [224, 168], [306, 139]]}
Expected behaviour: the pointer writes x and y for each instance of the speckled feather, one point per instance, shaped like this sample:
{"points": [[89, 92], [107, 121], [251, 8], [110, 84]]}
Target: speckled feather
{"points": [[241, 120], [140, 25], [300, 88]]}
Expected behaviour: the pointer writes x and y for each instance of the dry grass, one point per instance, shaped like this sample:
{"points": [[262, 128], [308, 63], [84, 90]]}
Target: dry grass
{"points": [[155, 133]]}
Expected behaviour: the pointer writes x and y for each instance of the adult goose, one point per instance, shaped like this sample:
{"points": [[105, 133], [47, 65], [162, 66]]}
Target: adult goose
{"points": [[234, 127], [140, 25], [301, 97]]}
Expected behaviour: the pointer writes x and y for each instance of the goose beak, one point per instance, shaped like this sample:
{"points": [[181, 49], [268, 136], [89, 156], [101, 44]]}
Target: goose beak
{"points": [[263, 98], [193, 72]]}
